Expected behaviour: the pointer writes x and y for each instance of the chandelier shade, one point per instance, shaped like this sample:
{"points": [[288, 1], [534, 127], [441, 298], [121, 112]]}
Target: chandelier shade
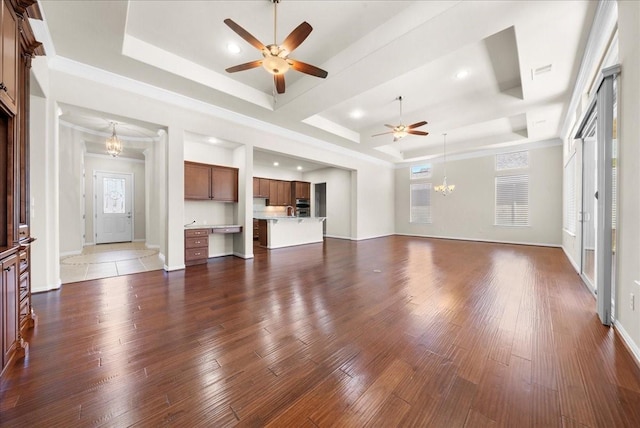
{"points": [[444, 188]]}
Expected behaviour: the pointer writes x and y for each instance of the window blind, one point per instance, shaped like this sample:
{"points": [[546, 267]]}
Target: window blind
{"points": [[512, 200], [420, 203]]}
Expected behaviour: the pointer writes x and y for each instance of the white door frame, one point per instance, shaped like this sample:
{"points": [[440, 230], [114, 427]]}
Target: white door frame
{"points": [[95, 201]]}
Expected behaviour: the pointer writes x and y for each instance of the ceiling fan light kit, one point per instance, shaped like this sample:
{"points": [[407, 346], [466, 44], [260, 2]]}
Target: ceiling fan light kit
{"points": [[401, 131], [276, 57]]}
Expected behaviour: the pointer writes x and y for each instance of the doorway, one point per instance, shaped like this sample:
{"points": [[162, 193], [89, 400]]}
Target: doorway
{"points": [[112, 207], [321, 204], [589, 204]]}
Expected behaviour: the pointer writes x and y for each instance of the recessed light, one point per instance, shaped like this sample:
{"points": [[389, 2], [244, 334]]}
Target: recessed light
{"points": [[462, 74], [233, 48], [299, 168], [212, 140], [276, 164], [356, 114]]}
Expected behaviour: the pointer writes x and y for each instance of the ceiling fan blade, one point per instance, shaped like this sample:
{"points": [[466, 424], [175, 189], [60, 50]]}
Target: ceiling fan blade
{"points": [[417, 125], [244, 34], [297, 36], [307, 68], [414, 132], [384, 133], [245, 66], [278, 79], [389, 126]]}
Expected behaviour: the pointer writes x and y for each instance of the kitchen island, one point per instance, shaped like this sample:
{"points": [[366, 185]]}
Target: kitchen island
{"points": [[287, 231]]}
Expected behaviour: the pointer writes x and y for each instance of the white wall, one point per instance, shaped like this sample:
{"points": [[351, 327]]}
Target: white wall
{"points": [[275, 173], [105, 163], [628, 266], [338, 223], [70, 191], [469, 212]]}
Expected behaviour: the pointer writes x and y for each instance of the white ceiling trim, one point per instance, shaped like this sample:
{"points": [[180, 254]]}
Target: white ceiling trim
{"points": [[74, 68], [175, 64], [108, 134], [332, 127]]}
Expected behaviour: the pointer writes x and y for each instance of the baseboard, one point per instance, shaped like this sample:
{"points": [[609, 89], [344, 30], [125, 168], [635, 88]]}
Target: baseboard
{"points": [[70, 253], [139, 240], [152, 247], [53, 287], [211, 256], [289, 246], [243, 256], [573, 263], [338, 237], [628, 342], [373, 237], [88, 244], [492, 241], [174, 268]]}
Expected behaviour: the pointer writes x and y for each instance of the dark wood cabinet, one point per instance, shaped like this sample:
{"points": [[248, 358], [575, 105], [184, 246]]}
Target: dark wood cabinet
{"points": [[9, 305], [197, 181], [274, 198], [224, 184], [261, 187], [196, 246], [9, 46], [301, 190], [210, 182], [256, 233], [17, 48]]}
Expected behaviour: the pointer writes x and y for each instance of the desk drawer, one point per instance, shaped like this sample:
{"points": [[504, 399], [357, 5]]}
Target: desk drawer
{"points": [[190, 233], [236, 229], [198, 242], [196, 254]]}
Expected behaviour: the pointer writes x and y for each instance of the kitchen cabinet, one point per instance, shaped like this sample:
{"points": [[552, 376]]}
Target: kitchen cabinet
{"points": [[301, 190], [9, 307], [274, 199], [9, 58], [279, 193], [210, 182], [196, 246], [261, 187], [256, 234]]}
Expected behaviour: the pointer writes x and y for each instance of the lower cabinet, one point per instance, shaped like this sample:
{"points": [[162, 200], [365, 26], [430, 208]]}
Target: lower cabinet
{"points": [[196, 246], [9, 308]]}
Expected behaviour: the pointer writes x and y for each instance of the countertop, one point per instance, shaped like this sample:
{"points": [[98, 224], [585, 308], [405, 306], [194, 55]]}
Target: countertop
{"points": [[282, 217], [210, 226]]}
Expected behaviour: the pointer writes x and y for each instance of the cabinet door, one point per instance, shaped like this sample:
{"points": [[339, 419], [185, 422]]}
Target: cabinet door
{"points": [[256, 187], [9, 77], [9, 306], [264, 187], [282, 197], [224, 184], [273, 193], [302, 190], [197, 181]]}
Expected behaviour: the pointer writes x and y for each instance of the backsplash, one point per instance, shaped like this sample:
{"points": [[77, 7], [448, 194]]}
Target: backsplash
{"points": [[260, 208]]}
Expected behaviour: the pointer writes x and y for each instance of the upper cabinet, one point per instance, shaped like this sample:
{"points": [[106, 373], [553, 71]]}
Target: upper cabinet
{"points": [[9, 58], [301, 190], [261, 188], [210, 182]]}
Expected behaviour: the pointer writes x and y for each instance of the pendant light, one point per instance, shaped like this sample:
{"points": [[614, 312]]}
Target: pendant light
{"points": [[445, 188], [114, 145]]}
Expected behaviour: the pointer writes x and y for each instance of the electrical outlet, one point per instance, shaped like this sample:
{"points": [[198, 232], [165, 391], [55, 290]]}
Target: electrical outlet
{"points": [[632, 302]]}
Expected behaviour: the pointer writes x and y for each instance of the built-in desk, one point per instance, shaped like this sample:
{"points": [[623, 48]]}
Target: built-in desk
{"points": [[196, 240]]}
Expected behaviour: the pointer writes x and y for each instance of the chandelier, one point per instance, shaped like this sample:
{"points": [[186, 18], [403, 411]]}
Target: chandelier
{"points": [[445, 188], [114, 145]]}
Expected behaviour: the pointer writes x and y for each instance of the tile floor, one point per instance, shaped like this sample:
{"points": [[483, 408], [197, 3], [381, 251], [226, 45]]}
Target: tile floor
{"points": [[105, 260]]}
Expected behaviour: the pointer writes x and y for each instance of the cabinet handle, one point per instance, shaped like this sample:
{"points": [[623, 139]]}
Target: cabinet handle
{"points": [[7, 269], [3, 87]]}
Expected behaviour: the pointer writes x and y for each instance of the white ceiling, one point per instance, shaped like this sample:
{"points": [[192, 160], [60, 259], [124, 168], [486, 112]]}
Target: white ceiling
{"points": [[374, 51]]}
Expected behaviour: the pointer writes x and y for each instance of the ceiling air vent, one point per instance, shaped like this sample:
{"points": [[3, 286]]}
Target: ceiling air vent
{"points": [[536, 72]]}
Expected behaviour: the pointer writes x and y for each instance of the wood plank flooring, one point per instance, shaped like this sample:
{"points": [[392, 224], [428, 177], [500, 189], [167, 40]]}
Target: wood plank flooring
{"points": [[395, 331]]}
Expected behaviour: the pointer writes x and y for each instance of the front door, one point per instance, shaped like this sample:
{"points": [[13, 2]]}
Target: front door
{"points": [[113, 207]]}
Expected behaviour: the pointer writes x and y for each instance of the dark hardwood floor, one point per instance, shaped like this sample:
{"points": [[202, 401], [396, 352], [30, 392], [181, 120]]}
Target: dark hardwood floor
{"points": [[395, 331]]}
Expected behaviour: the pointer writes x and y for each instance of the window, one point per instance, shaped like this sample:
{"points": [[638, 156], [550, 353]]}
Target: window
{"points": [[570, 195], [420, 203], [513, 160], [420, 171], [512, 200]]}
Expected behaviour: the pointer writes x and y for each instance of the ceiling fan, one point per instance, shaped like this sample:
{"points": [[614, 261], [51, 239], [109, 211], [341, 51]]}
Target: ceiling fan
{"points": [[276, 57], [401, 131]]}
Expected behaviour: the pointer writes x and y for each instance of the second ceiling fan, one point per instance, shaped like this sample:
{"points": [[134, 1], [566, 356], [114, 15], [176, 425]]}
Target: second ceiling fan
{"points": [[276, 57], [400, 131]]}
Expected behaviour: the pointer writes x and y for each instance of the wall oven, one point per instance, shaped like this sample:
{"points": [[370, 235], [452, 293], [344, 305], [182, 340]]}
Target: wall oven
{"points": [[303, 208]]}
